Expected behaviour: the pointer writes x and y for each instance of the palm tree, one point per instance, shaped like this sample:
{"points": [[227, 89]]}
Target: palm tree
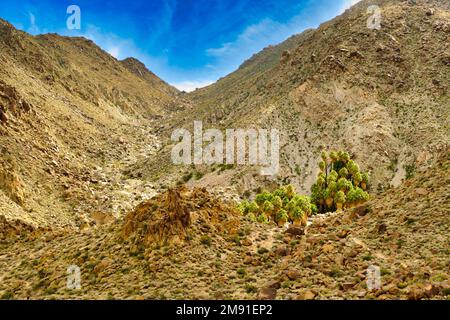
{"points": [[277, 203], [333, 176], [352, 167], [290, 191], [282, 217], [343, 173], [324, 156], [268, 209], [328, 198], [364, 181], [351, 197], [322, 166], [304, 219], [357, 178], [339, 200], [343, 185], [263, 197], [334, 157], [344, 157], [297, 216]]}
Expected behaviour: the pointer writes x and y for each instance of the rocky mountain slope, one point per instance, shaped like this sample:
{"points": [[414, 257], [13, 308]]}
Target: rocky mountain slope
{"points": [[70, 115], [188, 244], [381, 94]]}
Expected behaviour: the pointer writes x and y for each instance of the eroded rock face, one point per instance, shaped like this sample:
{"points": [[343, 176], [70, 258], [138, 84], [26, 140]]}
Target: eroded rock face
{"points": [[167, 217], [11, 103], [11, 183], [14, 228]]}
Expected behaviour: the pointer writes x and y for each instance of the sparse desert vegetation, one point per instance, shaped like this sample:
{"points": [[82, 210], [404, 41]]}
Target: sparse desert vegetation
{"points": [[86, 178]]}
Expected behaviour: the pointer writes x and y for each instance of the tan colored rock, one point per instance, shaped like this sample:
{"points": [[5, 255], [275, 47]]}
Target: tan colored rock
{"points": [[421, 191], [282, 251], [248, 260], [307, 295], [346, 286], [415, 293], [101, 266], [295, 231], [267, 293], [293, 274]]}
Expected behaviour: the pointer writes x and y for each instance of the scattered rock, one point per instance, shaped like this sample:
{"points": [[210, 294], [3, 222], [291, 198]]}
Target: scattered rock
{"points": [[307, 295], [283, 251], [430, 12], [381, 228], [362, 210], [293, 274], [421, 191], [346, 286], [248, 260], [267, 293], [295, 231]]}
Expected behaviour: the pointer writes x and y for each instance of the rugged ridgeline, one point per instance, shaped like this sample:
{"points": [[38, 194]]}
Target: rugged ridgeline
{"points": [[69, 112], [381, 94]]}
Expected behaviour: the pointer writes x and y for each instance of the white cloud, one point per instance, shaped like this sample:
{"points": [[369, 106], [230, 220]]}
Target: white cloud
{"points": [[253, 39], [33, 28], [111, 43], [32, 18], [190, 86], [217, 52], [120, 48]]}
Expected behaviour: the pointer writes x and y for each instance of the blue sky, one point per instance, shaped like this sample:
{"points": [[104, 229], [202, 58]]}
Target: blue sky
{"points": [[188, 43]]}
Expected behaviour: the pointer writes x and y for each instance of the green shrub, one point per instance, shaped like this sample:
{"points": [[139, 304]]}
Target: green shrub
{"points": [[410, 171], [241, 272], [205, 240], [249, 288], [262, 219], [188, 176], [8, 295]]}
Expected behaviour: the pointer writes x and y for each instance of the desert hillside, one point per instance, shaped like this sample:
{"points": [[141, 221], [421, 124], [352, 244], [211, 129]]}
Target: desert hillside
{"points": [[86, 178], [189, 244], [381, 94], [70, 115]]}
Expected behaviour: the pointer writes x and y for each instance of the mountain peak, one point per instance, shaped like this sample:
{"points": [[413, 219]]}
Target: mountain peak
{"points": [[139, 69], [136, 66]]}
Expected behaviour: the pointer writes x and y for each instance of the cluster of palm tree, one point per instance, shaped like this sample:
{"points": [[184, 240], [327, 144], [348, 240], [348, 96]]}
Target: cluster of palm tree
{"points": [[281, 206], [340, 183]]}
